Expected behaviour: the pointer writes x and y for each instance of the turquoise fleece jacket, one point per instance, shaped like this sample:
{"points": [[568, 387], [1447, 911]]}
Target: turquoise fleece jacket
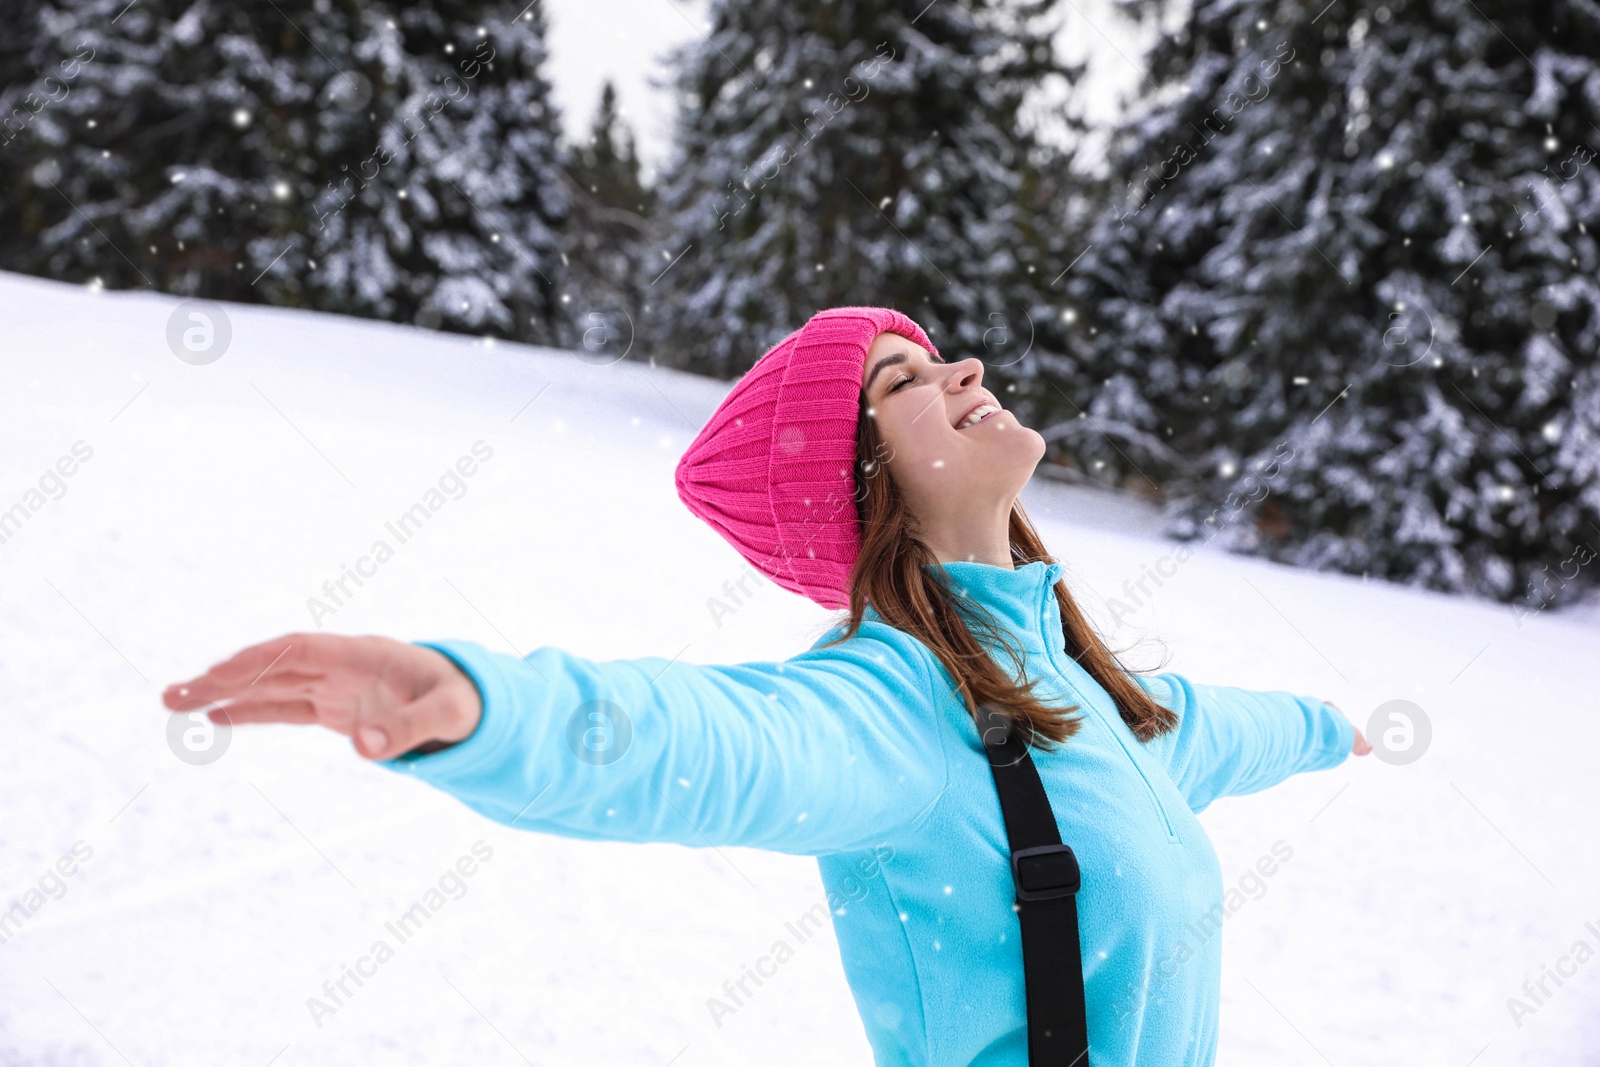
{"points": [[863, 756]]}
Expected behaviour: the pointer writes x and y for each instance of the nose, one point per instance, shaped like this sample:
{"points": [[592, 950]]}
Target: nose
{"points": [[965, 374]]}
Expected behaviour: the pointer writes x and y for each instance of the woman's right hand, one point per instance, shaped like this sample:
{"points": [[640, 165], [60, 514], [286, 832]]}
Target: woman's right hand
{"points": [[1360, 746], [388, 696]]}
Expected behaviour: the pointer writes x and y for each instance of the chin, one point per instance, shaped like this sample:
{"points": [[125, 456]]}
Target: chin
{"points": [[1026, 441], [1020, 459], [1034, 452]]}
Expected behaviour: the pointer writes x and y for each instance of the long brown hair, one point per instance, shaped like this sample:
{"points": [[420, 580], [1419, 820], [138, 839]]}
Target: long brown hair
{"points": [[890, 574]]}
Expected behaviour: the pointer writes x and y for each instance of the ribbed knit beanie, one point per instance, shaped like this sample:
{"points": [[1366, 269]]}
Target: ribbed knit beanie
{"points": [[771, 470]]}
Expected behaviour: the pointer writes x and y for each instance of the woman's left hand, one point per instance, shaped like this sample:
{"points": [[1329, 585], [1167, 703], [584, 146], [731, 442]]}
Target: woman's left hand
{"points": [[1360, 748]]}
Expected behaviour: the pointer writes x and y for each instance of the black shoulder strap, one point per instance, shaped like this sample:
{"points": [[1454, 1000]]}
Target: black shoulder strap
{"points": [[1046, 876]]}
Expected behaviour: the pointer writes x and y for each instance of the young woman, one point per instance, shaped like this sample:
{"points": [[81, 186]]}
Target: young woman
{"points": [[855, 466]]}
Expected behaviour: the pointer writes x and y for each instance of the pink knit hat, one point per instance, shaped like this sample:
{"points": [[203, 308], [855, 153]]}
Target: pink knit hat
{"points": [[771, 470]]}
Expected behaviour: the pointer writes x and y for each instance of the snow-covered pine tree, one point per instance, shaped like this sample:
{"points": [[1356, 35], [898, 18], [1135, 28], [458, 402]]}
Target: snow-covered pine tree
{"points": [[457, 207], [146, 145], [1345, 308], [860, 152], [607, 237], [400, 163]]}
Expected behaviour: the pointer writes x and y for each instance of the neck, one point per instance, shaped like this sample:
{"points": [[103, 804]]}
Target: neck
{"points": [[973, 535]]}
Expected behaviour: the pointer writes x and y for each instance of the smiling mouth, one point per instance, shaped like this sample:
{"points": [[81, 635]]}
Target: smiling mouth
{"points": [[981, 413]]}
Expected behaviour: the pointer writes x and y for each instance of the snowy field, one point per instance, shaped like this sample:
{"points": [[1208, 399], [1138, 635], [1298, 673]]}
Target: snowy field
{"points": [[207, 903]]}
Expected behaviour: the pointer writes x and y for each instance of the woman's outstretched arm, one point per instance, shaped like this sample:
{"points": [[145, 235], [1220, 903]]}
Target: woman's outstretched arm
{"points": [[833, 749], [1234, 741]]}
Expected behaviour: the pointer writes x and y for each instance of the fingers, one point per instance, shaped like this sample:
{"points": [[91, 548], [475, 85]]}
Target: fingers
{"points": [[389, 697], [269, 703], [243, 669], [296, 711], [1359, 746]]}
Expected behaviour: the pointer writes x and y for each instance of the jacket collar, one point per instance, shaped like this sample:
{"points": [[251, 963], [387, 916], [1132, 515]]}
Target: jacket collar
{"points": [[1021, 600]]}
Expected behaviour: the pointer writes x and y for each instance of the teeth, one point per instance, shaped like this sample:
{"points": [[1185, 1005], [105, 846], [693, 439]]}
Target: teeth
{"points": [[977, 413]]}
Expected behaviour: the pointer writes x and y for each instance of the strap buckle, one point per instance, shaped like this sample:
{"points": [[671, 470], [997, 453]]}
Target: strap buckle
{"points": [[1047, 872]]}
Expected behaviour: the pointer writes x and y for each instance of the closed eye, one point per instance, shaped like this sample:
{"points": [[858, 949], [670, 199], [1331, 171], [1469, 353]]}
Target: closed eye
{"points": [[900, 382]]}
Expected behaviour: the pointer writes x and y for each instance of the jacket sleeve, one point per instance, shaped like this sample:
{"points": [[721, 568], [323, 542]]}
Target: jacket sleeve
{"points": [[833, 749], [1235, 741]]}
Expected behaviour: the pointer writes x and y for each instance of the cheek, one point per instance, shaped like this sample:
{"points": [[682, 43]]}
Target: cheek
{"points": [[917, 445], [916, 442]]}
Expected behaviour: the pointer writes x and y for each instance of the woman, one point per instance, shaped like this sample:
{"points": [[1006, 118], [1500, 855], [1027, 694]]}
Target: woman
{"points": [[852, 464]]}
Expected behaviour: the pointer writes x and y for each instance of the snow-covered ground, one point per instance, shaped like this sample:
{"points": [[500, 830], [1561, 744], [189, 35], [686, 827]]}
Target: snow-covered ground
{"points": [[208, 903]]}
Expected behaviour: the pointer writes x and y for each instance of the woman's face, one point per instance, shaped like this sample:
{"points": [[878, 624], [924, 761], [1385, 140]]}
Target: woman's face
{"points": [[952, 471]]}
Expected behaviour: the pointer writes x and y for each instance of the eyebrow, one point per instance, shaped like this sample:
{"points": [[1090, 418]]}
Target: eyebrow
{"points": [[892, 361]]}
